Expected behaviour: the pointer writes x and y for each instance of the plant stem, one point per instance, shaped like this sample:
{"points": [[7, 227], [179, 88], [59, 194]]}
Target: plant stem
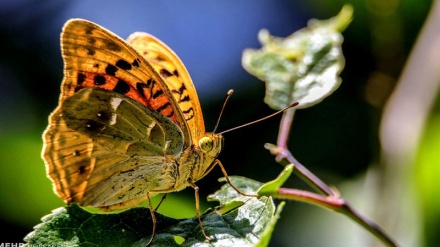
{"points": [[284, 132], [284, 157], [337, 204], [331, 200]]}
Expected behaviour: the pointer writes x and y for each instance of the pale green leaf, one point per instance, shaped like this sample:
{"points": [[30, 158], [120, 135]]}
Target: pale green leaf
{"points": [[303, 67]]}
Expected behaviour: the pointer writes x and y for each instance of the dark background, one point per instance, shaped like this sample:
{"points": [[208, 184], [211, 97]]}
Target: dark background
{"points": [[336, 139]]}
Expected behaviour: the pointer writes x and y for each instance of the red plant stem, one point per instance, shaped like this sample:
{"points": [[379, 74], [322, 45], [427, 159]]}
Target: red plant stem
{"points": [[284, 132], [284, 157], [305, 174], [337, 204], [331, 201]]}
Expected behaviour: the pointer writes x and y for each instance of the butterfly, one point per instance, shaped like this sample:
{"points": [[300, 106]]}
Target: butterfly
{"points": [[128, 124]]}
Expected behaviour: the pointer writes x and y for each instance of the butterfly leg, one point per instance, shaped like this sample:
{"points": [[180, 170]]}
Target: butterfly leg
{"points": [[161, 200], [153, 218], [217, 162], [196, 189]]}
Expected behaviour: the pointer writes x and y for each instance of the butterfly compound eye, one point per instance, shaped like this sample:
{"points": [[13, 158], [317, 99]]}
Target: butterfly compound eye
{"points": [[206, 144]]}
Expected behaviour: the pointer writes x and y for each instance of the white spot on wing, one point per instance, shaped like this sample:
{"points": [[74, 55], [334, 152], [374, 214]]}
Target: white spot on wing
{"points": [[113, 119], [114, 103]]}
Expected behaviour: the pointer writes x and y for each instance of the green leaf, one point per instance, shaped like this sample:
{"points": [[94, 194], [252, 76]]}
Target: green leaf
{"points": [[303, 67], [272, 187], [267, 234], [227, 194], [238, 226]]}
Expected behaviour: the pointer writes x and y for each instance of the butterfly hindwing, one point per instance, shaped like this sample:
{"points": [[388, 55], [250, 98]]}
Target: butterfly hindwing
{"points": [[102, 145]]}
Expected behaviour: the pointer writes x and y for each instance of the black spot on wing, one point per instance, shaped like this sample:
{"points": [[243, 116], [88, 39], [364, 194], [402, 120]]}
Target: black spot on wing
{"points": [[91, 40], [189, 114], [165, 73], [103, 116], [93, 127], [77, 88], [111, 70], [89, 30], [81, 78], [181, 89], [111, 46], [140, 88], [158, 93], [121, 87], [163, 107], [135, 63], [184, 98], [90, 51], [99, 80], [121, 63], [151, 82], [81, 169]]}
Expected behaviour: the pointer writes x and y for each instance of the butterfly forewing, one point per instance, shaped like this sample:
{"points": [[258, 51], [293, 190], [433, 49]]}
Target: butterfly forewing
{"points": [[176, 77], [95, 57]]}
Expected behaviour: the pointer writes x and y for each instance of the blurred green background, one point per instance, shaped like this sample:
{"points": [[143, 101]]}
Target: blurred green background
{"points": [[337, 139]]}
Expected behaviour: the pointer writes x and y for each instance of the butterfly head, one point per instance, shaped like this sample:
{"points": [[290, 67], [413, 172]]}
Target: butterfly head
{"points": [[211, 144], [208, 148]]}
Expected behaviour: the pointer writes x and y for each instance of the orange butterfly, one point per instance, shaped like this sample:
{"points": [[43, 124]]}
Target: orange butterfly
{"points": [[128, 124]]}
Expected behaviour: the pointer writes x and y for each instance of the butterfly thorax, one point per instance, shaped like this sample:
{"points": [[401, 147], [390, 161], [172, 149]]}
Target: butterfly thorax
{"points": [[196, 161]]}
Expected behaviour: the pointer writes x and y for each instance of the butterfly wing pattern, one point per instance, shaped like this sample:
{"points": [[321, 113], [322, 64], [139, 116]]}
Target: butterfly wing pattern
{"points": [[177, 78], [128, 121]]}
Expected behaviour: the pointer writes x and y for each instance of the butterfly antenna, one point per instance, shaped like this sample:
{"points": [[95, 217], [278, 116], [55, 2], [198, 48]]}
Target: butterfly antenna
{"points": [[228, 95], [261, 119]]}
